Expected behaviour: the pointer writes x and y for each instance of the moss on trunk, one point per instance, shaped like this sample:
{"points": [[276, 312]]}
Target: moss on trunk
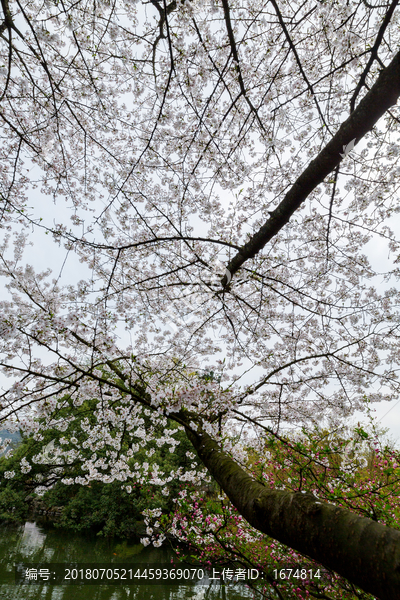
{"points": [[365, 552]]}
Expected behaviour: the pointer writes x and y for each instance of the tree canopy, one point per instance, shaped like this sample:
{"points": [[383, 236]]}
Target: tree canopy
{"points": [[226, 172]]}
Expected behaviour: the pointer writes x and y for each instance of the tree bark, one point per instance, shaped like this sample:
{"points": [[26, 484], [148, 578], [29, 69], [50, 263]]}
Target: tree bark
{"points": [[361, 550], [383, 94]]}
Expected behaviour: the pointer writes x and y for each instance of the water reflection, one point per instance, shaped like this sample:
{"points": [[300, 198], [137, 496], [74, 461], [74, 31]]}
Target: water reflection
{"points": [[40, 542]]}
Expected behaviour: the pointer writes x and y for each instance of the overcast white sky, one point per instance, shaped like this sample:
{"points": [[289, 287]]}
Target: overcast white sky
{"points": [[45, 254]]}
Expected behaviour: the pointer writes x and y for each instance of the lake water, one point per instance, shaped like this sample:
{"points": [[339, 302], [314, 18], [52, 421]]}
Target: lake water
{"points": [[38, 541]]}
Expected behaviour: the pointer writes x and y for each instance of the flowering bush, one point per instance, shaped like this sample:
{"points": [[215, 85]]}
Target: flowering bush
{"points": [[350, 468]]}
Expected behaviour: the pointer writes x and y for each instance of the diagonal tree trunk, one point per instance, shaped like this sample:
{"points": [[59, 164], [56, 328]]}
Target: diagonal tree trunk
{"points": [[383, 94], [361, 550]]}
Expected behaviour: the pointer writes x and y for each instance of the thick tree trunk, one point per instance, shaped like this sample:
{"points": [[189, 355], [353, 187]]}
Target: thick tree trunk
{"points": [[361, 550]]}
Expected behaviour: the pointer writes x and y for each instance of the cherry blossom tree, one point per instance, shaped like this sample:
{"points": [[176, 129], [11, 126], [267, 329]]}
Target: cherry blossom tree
{"points": [[228, 167]]}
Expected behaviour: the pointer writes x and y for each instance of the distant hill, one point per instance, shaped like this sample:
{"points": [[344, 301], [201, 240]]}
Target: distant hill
{"points": [[14, 437]]}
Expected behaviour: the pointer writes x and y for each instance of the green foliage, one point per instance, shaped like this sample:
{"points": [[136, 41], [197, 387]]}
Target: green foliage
{"points": [[105, 507], [16, 491], [354, 468], [12, 505]]}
